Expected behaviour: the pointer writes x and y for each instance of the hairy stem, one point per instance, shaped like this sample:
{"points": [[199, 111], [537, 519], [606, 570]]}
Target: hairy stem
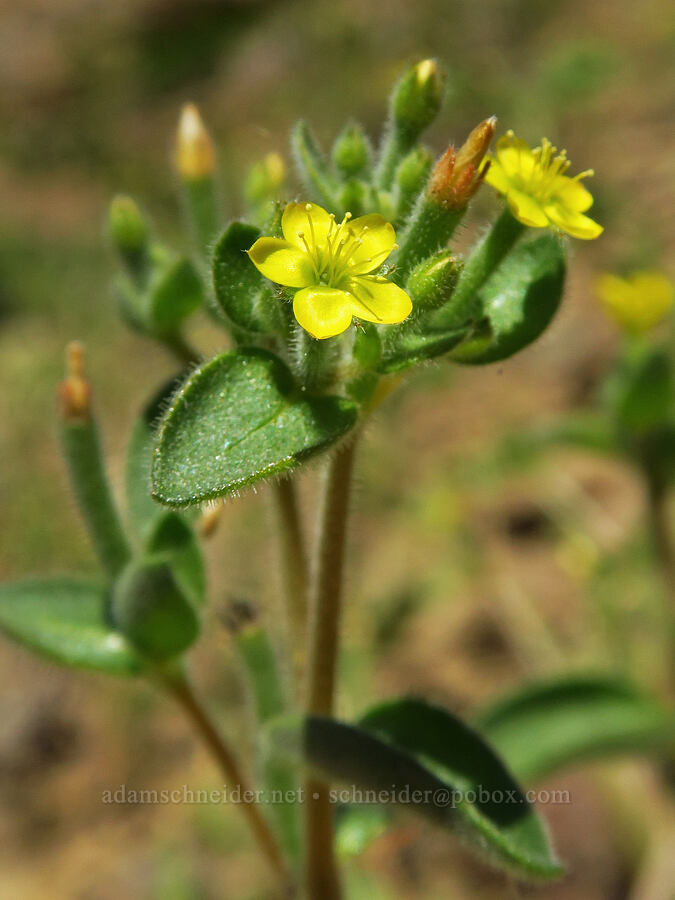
{"points": [[322, 881], [294, 563], [179, 687]]}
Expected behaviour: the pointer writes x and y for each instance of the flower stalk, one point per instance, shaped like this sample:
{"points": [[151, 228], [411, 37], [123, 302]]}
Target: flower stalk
{"points": [[180, 689], [196, 167], [322, 880]]}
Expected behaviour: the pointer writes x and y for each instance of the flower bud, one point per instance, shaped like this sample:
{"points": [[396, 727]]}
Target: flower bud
{"points": [[74, 392], [417, 97], [126, 225], [432, 282], [195, 153], [265, 179], [458, 174], [351, 151], [152, 610]]}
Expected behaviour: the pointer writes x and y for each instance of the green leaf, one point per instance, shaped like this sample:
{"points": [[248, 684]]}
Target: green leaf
{"points": [[519, 299], [421, 758], [641, 394], [143, 512], [175, 293], [63, 619], [502, 824], [547, 726], [175, 538], [412, 346], [237, 283], [238, 419]]}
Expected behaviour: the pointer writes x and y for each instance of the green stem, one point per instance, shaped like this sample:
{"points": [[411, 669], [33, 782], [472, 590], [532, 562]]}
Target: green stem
{"points": [[294, 563], [322, 880], [259, 662], [201, 207], [430, 228], [180, 689], [479, 266], [84, 458], [395, 145]]}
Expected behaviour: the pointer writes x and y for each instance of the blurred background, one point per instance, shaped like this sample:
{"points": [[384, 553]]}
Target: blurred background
{"points": [[471, 571]]}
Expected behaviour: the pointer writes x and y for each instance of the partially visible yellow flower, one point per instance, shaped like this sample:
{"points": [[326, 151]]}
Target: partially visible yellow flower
{"points": [[332, 265], [537, 190], [637, 302]]}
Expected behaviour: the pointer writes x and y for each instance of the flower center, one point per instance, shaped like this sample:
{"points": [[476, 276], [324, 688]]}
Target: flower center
{"points": [[333, 257], [330, 257], [541, 180]]}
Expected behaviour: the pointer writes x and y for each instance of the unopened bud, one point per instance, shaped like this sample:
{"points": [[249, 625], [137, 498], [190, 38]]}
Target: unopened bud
{"points": [[265, 179], [458, 174], [195, 153], [417, 97], [351, 151], [432, 282], [126, 225], [74, 391]]}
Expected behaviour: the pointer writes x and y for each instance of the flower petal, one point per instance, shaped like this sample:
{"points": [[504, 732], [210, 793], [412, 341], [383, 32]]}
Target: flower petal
{"points": [[526, 209], [638, 302], [571, 193], [305, 218], [323, 311], [378, 300], [655, 288], [497, 177], [282, 262], [574, 223], [515, 156], [376, 239]]}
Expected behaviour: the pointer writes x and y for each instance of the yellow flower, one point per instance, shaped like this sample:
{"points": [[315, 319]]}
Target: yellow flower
{"points": [[537, 190], [332, 265], [637, 302]]}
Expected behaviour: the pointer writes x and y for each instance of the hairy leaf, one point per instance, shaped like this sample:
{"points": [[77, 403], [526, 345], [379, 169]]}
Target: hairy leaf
{"points": [[63, 619], [238, 419]]}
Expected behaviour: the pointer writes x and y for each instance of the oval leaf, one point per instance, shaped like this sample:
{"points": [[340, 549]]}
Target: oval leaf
{"points": [[63, 619], [548, 726], [412, 346], [501, 822], [423, 759], [237, 283], [519, 300], [238, 419]]}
